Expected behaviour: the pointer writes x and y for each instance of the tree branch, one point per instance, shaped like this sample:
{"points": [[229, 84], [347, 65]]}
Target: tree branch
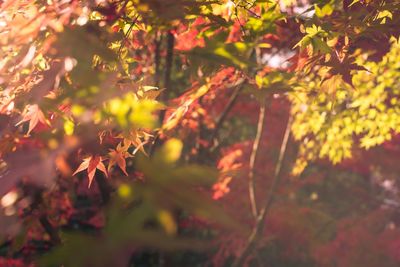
{"points": [[167, 82], [157, 59], [227, 109], [168, 70], [253, 158], [260, 223], [169, 59]]}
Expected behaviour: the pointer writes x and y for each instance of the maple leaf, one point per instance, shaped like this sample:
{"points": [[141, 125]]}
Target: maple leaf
{"points": [[34, 115], [92, 163], [118, 156], [134, 138], [149, 92], [343, 68]]}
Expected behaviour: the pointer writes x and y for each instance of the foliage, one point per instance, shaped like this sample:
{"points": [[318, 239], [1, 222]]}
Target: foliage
{"points": [[157, 133]]}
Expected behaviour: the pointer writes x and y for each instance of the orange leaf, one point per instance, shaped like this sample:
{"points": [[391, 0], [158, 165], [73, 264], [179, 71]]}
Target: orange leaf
{"points": [[117, 156], [91, 164], [34, 115]]}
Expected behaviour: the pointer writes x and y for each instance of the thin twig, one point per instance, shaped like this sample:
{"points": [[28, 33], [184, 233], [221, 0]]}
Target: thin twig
{"points": [[253, 157], [240, 23], [248, 8], [227, 109], [127, 35], [260, 223]]}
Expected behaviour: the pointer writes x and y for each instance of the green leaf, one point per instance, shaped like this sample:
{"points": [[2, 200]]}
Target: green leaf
{"points": [[170, 152], [326, 10], [231, 54]]}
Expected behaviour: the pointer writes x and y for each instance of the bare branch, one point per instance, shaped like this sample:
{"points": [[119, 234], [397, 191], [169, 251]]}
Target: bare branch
{"points": [[262, 216], [253, 158], [227, 109]]}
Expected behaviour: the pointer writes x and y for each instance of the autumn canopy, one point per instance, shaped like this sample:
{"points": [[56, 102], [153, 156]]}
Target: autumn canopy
{"points": [[200, 133]]}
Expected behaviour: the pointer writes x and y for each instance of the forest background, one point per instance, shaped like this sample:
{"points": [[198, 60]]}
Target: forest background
{"points": [[200, 133]]}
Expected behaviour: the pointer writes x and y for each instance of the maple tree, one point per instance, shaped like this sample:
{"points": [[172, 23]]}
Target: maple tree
{"points": [[201, 132]]}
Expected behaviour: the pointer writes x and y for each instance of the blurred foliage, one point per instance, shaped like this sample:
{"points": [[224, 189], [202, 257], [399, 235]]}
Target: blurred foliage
{"points": [[142, 133]]}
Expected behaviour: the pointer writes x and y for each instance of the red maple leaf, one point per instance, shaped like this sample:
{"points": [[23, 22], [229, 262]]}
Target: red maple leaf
{"points": [[91, 164], [34, 115], [118, 156]]}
